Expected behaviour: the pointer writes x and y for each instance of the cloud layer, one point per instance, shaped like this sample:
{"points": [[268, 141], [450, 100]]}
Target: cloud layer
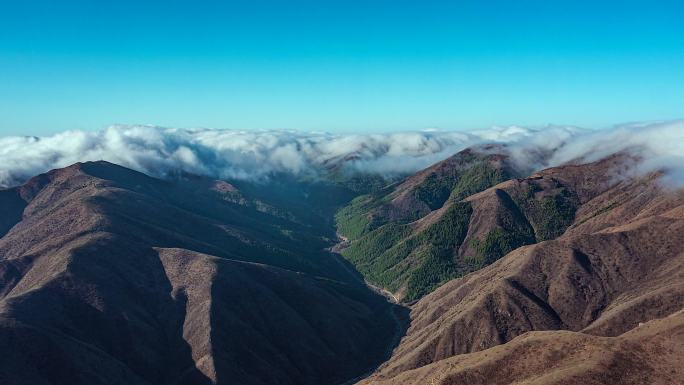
{"points": [[237, 154]]}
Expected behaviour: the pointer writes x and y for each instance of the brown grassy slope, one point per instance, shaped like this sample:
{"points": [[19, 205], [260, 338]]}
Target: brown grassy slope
{"points": [[107, 279], [652, 353], [619, 264]]}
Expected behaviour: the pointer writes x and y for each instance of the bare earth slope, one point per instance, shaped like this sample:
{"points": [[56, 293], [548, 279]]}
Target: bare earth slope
{"points": [[618, 264], [108, 276]]}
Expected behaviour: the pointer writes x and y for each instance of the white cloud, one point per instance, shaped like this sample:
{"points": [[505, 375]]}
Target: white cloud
{"points": [[660, 144], [245, 154]]}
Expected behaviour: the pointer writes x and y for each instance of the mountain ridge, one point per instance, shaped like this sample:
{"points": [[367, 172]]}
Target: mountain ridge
{"points": [[614, 267], [124, 278], [108, 275]]}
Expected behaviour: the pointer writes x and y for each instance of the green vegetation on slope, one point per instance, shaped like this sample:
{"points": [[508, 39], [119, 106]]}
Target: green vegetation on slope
{"points": [[479, 177], [497, 244], [555, 214], [390, 256], [386, 249], [375, 254], [352, 220], [514, 231], [551, 214], [434, 190], [360, 183], [437, 186], [473, 174], [465, 174], [389, 252], [440, 240]]}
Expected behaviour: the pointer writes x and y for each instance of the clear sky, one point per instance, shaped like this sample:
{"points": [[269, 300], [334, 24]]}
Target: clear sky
{"points": [[347, 66]]}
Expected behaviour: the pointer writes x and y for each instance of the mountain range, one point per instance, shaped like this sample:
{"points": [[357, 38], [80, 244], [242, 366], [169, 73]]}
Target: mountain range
{"points": [[477, 269]]}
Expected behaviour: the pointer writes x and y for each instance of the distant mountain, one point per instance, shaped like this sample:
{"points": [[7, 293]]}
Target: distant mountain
{"points": [[108, 276], [604, 255]]}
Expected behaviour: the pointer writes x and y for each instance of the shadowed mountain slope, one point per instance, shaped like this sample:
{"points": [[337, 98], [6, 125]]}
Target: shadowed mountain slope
{"points": [[109, 276]]}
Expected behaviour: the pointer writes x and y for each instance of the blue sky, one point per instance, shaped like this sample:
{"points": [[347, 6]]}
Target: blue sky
{"points": [[341, 66]]}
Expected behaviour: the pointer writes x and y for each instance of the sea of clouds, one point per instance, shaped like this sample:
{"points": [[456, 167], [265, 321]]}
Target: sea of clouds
{"points": [[255, 155]]}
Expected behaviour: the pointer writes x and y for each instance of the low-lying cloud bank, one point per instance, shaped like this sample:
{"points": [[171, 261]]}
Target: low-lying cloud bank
{"points": [[238, 154]]}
